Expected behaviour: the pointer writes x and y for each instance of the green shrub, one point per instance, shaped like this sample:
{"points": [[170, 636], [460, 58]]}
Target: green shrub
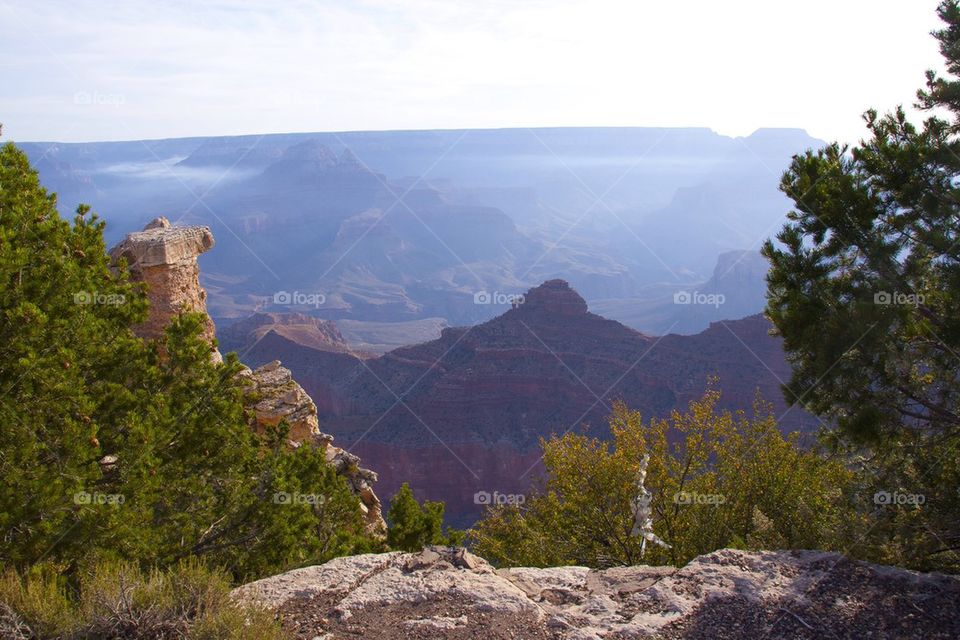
{"points": [[413, 526], [719, 480]]}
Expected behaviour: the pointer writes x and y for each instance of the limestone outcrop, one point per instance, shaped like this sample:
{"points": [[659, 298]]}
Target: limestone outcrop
{"points": [[164, 257], [277, 397], [444, 592]]}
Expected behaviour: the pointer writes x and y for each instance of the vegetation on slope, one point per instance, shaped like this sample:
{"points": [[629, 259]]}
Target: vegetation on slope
{"points": [[718, 480], [119, 600]]}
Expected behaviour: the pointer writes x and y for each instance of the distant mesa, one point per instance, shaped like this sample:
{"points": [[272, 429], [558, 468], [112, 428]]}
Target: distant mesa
{"points": [[493, 206]]}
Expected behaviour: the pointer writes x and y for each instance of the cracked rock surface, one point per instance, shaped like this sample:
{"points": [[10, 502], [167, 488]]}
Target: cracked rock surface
{"points": [[445, 592]]}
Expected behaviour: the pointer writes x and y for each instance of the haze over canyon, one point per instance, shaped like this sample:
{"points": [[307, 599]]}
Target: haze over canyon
{"points": [[454, 296]]}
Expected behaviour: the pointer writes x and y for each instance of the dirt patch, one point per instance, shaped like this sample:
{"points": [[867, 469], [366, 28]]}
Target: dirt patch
{"points": [[440, 619]]}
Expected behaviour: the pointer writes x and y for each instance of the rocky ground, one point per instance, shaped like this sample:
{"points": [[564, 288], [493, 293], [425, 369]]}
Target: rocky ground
{"points": [[449, 593]]}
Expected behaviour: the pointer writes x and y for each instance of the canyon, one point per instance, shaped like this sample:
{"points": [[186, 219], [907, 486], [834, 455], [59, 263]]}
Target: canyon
{"points": [[405, 227], [461, 417]]}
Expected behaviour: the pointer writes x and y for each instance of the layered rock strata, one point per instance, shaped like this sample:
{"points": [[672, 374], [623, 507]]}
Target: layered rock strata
{"points": [[477, 400], [165, 258]]}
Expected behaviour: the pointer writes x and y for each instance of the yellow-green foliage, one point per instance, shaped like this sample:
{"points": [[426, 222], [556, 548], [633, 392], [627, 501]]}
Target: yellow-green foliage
{"points": [[118, 600], [718, 480]]}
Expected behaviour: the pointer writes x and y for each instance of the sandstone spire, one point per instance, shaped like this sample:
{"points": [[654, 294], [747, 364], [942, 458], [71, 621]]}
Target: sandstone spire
{"points": [[165, 258]]}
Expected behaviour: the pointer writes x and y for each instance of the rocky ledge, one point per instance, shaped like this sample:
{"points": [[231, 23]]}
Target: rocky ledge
{"points": [[445, 592]]}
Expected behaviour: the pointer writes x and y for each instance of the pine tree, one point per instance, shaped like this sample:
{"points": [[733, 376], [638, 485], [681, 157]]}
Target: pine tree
{"points": [[413, 526], [865, 281], [864, 287]]}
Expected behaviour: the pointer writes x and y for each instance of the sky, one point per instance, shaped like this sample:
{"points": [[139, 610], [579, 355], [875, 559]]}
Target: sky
{"points": [[82, 70]]}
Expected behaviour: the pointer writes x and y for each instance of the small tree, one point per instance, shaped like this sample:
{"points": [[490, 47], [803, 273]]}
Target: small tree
{"points": [[412, 526]]}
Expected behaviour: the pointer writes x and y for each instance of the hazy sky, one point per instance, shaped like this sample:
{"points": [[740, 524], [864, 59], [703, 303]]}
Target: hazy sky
{"points": [[101, 70]]}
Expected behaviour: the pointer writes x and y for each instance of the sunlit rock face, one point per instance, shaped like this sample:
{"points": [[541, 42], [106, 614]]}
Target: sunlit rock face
{"points": [[277, 397], [164, 257]]}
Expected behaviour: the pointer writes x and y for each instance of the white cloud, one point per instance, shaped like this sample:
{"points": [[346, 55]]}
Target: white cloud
{"points": [[251, 67]]}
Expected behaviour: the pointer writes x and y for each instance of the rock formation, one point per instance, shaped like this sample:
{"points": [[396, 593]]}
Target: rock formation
{"points": [[554, 297], [165, 258], [444, 592], [296, 327], [278, 397], [476, 401]]}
